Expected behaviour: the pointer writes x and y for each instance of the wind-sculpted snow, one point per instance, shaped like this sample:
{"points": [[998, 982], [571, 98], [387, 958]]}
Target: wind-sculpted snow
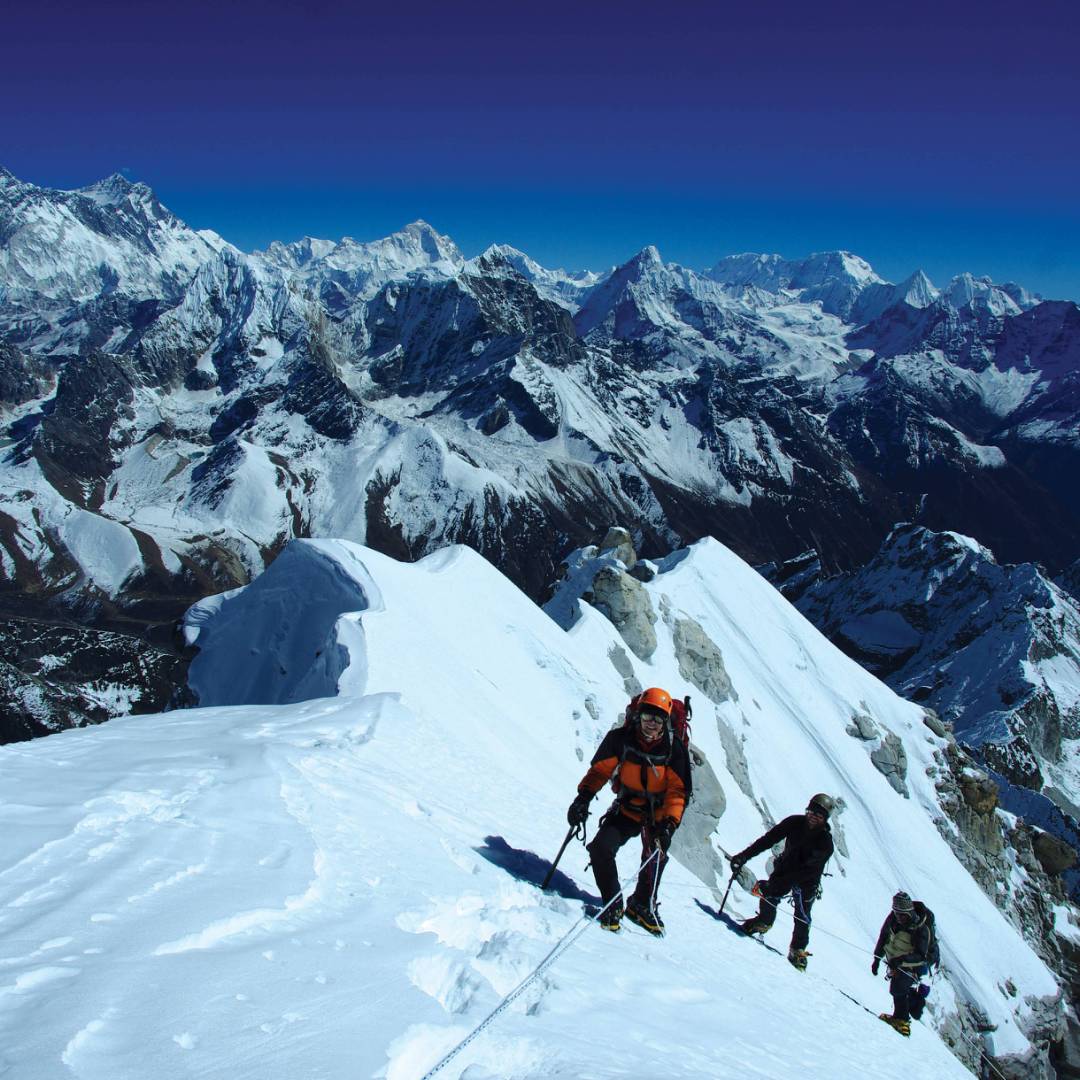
{"points": [[305, 649], [306, 890]]}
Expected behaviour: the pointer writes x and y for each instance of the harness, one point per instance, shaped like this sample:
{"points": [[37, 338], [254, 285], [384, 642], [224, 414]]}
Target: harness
{"points": [[643, 799]]}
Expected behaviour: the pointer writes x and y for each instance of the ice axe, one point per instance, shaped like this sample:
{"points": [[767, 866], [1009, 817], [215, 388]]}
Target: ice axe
{"points": [[574, 830]]}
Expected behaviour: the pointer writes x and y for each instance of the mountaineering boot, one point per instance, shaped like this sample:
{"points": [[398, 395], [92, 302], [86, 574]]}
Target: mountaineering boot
{"points": [[753, 926], [612, 918], [797, 958], [903, 1026], [638, 913]]}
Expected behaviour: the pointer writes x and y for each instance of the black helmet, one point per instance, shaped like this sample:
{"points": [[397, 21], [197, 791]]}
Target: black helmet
{"points": [[822, 804]]}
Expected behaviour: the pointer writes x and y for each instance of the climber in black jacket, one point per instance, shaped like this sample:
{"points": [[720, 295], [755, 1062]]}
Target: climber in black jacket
{"points": [[808, 847]]}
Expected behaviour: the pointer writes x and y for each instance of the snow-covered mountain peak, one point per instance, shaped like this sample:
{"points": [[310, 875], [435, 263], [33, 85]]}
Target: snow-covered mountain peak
{"points": [[104, 246], [351, 269], [835, 279], [9, 181], [966, 291], [776, 273], [918, 290], [827, 265], [415, 247], [297, 254], [648, 255], [433, 243], [565, 288], [115, 189]]}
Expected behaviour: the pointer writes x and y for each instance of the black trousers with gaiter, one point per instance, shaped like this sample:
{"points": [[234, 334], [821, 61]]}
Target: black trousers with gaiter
{"points": [[615, 830], [772, 892]]}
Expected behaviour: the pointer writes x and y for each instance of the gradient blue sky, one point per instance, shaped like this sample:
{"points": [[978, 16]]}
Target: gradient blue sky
{"points": [[934, 135]]}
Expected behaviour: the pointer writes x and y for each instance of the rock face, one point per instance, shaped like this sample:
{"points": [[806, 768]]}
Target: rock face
{"points": [[622, 599], [1003, 855], [700, 661], [891, 762], [993, 650]]}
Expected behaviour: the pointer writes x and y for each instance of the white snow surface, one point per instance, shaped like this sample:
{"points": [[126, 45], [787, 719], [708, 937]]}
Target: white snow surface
{"points": [[296, 888]]}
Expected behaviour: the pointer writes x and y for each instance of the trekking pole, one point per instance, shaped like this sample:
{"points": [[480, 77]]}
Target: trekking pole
{"points": [[574, 830], [731, 881]]}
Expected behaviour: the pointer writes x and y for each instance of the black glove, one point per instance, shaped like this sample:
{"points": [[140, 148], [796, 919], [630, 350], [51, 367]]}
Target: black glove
{"points": [[579, 810], [737, 862], [875, 965], [664, 831]]}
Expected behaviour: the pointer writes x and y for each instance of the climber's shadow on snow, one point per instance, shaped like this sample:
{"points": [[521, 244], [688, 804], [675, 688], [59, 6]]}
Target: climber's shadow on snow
{"points": [[731, 924], [531, 868]]}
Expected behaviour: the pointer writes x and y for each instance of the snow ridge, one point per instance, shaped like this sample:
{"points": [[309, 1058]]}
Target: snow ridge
{"points": [[283, 859]]}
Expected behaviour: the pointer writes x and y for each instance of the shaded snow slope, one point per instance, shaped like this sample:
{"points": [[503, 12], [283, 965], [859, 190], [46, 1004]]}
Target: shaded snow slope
{"points": [[314, 888]]}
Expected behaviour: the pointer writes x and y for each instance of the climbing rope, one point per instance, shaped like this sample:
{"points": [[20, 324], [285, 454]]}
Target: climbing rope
{"points": [[557, 950]]}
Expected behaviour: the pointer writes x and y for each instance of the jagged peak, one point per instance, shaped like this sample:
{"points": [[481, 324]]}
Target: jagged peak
{"points": [[116, 188], [509, 254], [299, 252], [418, 236], [648, 255], [918, 290], [967, 289]]}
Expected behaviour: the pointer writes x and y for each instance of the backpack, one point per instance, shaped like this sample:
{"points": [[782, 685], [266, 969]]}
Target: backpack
{"points": [[680, 730], [933, 951]]}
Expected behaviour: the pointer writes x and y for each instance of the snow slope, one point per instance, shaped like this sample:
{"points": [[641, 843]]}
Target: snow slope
{"points": [[312, 888]]}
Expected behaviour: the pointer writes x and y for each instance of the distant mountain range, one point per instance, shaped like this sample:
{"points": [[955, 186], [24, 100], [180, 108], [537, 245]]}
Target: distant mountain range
{"points": [[174, 410]]}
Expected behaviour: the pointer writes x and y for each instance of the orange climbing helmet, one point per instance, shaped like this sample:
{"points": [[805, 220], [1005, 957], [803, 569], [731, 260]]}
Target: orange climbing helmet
{"points": [[657, 699]]}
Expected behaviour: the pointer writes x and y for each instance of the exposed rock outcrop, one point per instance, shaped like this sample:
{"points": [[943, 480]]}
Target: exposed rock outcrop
{"points": [[626, 603], [700, 661], [891, 761]]}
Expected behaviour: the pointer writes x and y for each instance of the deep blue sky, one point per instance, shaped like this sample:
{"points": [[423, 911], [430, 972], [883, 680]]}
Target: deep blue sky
{"points": [[941, 135]]}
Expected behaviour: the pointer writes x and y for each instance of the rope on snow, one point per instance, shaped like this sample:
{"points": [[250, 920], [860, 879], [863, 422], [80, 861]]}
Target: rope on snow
{"points": [[557, 950]]}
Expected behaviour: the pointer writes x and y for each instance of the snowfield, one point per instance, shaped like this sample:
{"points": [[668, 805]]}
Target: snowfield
{"points": [[327, 871]]}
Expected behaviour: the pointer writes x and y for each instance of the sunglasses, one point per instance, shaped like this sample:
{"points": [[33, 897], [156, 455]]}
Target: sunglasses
{"points": [[813, 811]]}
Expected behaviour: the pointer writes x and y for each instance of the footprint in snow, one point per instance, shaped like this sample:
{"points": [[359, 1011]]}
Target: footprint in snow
{"points": [[277, 858], [37, 978]]}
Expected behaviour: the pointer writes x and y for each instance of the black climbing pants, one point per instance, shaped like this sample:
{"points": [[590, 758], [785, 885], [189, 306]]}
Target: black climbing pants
{"points": [[904, 986], [771, 895], [615, 829]]}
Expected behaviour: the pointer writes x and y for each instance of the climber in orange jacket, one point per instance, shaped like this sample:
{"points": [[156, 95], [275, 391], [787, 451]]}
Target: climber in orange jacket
{"points": [[650, 772]]}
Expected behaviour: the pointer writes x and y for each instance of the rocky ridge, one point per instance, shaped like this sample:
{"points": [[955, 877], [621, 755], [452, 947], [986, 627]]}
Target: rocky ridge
{"points": [[1017, 864]]}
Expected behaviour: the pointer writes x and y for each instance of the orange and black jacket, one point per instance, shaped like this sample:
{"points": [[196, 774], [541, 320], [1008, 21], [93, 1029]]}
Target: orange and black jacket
{"points": [[652, 784]]}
